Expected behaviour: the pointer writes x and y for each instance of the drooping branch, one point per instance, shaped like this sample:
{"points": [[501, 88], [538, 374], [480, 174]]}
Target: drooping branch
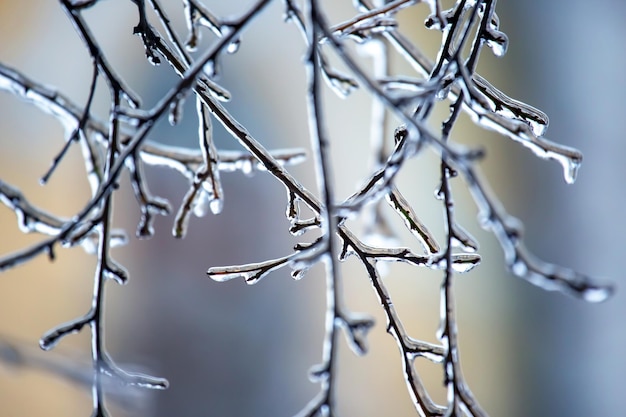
{"points": [[121, 144], [523, 265]]}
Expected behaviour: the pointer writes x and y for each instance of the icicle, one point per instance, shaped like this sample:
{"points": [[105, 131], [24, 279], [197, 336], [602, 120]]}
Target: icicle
{"points": [[233, 47], [495, 39], [498, 42], [299, 273], [202, 203], [210, 172]]}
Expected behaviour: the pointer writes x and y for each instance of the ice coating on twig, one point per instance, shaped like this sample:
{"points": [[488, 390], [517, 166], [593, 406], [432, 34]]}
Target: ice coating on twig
{"points": [[329, 232]]}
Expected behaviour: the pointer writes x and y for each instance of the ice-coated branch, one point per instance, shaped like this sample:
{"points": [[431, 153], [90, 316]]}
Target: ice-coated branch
{"points": [[368, 23], [68, 113], [339, 82], [114, 81], [459, 396], [496, 218], [325, 373], [20, 355], [114, 154], [75, 120], [183, 160], [494, 110], [76, 134], [122, 144], [410, 348]]}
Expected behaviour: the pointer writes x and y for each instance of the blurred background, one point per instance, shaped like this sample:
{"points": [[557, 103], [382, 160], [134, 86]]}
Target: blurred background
{"points": [[232, 350]]}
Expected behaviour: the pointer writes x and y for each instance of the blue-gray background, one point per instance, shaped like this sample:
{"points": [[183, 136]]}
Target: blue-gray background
{"points": [[232, 350]]}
